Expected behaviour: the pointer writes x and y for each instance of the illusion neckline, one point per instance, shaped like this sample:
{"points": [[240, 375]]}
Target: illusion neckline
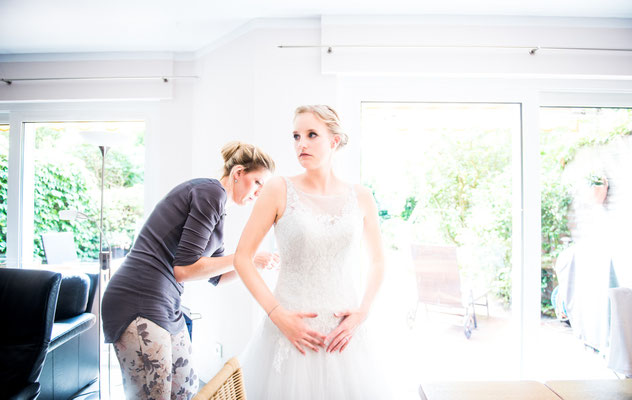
{"points": [[349, 187]]}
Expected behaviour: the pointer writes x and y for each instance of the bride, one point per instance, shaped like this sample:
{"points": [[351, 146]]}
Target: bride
{"points": [[313, 344]]}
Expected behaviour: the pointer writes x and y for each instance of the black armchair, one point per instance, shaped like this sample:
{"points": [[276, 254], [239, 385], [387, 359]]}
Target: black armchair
{"points": [[72, 361], [27, 309]]}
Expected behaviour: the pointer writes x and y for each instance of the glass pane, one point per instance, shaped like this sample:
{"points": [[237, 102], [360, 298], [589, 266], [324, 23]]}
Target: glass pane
{"points": [[4, 176], [68, 177], [586, 195], [441, 176]]}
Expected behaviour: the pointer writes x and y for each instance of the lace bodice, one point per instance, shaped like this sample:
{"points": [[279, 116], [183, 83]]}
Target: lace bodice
{"points": [[318, 238]]}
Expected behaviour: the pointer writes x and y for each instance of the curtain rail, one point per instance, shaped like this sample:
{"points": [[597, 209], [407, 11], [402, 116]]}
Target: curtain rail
{"points": [[165, 79], [531, 49]]}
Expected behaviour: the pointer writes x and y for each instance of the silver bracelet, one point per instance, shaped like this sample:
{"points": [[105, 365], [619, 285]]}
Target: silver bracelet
{"points": [[273, 308]]}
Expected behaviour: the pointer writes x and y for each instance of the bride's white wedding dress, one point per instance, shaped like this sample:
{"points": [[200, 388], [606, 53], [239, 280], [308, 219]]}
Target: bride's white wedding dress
{"points": [[318, 239]]}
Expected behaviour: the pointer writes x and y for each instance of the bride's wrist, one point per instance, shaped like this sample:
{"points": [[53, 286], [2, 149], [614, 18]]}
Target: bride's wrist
{"points": [[276, 314], [273, 309], [280, 319]]}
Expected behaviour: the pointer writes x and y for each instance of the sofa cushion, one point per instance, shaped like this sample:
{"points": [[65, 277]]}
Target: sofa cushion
{"points": [[73, 295], [66, 329], [29, 392]]}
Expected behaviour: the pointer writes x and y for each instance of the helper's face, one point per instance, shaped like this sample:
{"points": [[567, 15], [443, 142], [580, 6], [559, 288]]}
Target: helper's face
{"points": [[313, 142], [248, 185]]}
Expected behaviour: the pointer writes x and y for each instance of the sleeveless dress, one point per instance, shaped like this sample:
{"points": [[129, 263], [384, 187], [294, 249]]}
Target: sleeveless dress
{"points": [[318, 238]]}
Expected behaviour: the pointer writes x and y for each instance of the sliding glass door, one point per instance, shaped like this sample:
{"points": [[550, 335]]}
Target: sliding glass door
{"points": [[441, 174], [586, 195], [4, 186], [67, 176]]}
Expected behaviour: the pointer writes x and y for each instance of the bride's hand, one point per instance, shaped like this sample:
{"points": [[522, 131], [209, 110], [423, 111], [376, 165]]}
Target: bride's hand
{"points": [[266, 260], [340, 337], [296, 330]]}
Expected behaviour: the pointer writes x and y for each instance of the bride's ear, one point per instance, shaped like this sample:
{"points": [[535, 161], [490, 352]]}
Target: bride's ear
{"points": [[335, 142]]}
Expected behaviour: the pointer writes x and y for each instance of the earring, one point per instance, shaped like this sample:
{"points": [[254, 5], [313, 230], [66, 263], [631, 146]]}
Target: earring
{"points": [[235, 180]]}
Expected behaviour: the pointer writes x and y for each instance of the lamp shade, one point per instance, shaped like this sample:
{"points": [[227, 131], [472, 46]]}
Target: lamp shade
{"points": [[71, 215]]}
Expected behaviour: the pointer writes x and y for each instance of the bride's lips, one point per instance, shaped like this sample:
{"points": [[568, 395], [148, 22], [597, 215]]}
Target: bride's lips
{"points": [[304, 155]]}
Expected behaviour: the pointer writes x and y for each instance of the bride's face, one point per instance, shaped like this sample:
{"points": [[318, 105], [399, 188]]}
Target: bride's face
{"points": [[314, 144]]}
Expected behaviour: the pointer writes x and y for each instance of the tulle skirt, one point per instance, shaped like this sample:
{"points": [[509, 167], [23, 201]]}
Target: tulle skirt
{"points": [[275, 370]]}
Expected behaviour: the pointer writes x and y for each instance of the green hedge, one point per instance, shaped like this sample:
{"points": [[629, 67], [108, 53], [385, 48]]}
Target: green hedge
{"points": [[4, 181], [467, 199], [61, 186]]}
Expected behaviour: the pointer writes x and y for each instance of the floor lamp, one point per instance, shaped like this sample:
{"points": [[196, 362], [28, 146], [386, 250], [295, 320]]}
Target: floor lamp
{"points": [[104, 141], [103, 277]]}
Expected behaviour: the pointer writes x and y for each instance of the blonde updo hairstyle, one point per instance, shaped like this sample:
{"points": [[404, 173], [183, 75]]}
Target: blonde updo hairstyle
{"points": [[247, 155], [329, 116]]}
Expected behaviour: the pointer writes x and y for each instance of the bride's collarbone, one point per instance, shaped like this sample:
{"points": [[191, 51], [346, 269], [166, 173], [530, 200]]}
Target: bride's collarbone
{"points": [[337, 188]]}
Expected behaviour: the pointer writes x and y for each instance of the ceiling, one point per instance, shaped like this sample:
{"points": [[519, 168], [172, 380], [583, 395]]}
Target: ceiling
{"points": [[68, 26]]}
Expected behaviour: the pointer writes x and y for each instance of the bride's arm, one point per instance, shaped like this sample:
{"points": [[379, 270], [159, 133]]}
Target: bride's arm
{"points": [[265, 212], [263, 215], [340, 337], [373, 240]]}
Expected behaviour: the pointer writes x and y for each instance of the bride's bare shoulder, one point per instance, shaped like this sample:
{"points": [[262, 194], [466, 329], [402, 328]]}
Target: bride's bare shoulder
{"points": [[274, 186], [365, 196], [362, 191]]}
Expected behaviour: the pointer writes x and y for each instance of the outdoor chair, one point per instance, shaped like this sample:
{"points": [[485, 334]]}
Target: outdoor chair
{"points": [[228, 384], [59, 247], [439, 284]]}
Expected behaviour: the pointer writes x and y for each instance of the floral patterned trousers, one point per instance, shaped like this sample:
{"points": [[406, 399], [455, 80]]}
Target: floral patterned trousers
{"points": [[154, 363]]}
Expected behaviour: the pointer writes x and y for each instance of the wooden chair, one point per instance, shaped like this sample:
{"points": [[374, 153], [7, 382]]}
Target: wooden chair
{"points": [[228, 384], [439, 283]]}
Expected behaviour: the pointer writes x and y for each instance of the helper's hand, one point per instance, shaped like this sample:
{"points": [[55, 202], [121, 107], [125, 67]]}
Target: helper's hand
{"points": [[296, 330], [340, 337], [265, 260]]}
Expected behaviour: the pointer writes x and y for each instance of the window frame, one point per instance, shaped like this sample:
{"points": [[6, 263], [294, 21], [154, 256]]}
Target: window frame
{"points": [[21, 162]]}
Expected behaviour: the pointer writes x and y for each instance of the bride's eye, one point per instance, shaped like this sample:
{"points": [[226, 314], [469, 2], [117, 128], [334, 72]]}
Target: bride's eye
{"points": [[313, 134], [296, 136]]}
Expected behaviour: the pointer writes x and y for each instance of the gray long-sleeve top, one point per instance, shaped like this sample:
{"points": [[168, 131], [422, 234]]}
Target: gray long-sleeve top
{"points": [[185, 225]]}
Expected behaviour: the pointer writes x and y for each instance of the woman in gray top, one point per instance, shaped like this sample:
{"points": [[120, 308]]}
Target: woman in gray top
{"points": [[180, 241]]}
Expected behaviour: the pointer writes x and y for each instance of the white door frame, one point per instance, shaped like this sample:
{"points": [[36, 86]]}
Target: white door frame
{"points": [[352, 91]]}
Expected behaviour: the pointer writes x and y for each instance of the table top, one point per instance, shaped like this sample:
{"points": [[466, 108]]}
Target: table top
{"points": [[77, 266], [611, 389], [510, 390]]}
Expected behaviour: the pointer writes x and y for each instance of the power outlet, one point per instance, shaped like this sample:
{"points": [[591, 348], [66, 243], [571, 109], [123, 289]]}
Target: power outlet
{"points": [[219, 350]]}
